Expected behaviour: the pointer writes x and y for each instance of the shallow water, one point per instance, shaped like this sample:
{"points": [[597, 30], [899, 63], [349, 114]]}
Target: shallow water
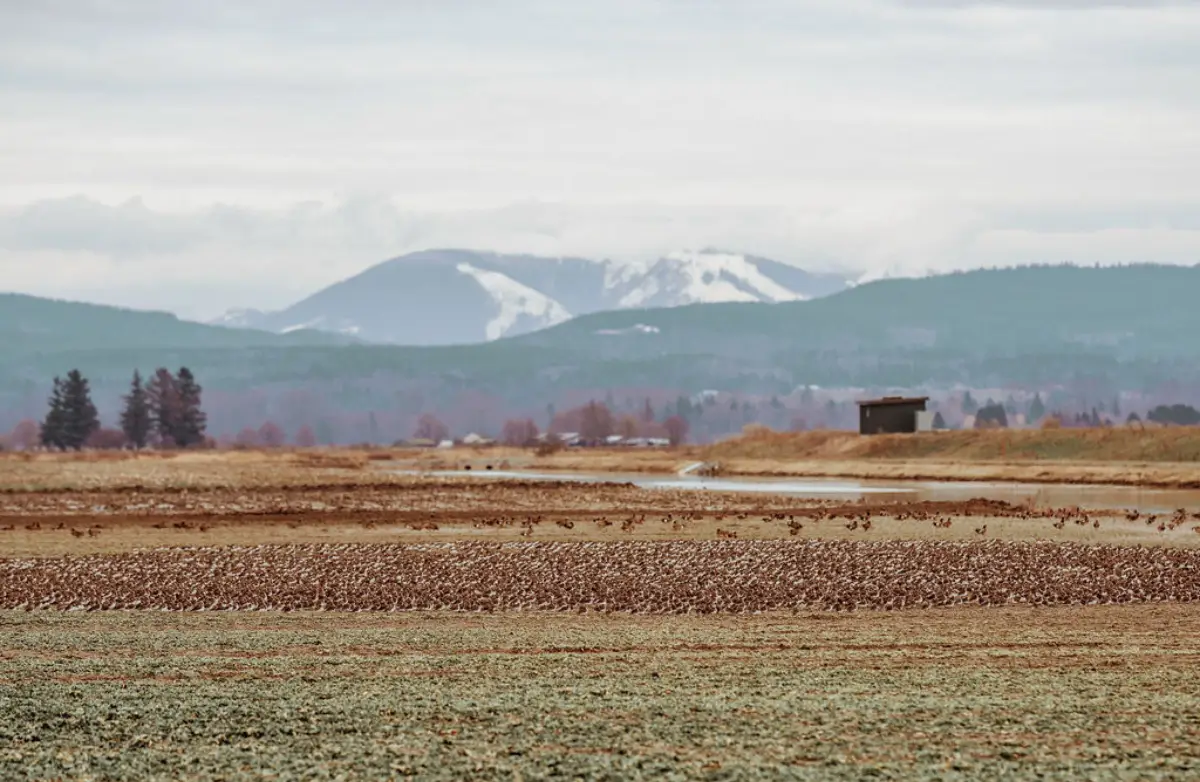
{"points": [[1049, 495]]}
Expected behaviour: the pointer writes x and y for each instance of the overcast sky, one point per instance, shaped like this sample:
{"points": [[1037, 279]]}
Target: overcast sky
{"points": [[162, 154]]}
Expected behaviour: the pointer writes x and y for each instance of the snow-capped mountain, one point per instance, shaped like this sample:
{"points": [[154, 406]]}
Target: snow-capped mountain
{"points": [[439, 297], [707, 276], [514, 302]]}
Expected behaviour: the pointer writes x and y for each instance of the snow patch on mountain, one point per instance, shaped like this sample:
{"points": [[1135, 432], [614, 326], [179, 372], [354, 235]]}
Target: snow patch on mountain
{"points": [[323, 324], [240, 318], [703, 276], [637, 328], [515, 301], [891, 272]]}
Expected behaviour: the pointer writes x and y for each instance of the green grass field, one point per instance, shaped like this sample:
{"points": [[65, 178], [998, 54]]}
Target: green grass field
{"points": [[1080, 693]]}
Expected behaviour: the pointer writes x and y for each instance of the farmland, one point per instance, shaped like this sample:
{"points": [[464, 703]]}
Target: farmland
{"points": [[1018, 693], [325, 614]]}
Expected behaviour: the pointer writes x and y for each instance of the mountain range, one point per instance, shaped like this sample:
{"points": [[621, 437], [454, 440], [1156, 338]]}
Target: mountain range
{"points": [[445, 297], [31, 324], [1092, 330]]}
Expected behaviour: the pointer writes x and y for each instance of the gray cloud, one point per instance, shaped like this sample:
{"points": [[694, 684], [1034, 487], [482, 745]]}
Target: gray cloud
{"points": [[1048, 5], [217, 157], [202, 262]]}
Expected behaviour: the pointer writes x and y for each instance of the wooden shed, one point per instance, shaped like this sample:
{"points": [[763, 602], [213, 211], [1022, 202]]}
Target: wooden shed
{"points": [[890, 415]]}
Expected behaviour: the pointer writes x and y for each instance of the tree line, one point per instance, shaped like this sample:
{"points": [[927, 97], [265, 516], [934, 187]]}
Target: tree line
{"points": [[164, 412]]}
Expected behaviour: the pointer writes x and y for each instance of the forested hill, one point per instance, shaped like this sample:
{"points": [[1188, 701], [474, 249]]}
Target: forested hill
{"points": [[1114, 328], [30, 324], [1142, 311]]}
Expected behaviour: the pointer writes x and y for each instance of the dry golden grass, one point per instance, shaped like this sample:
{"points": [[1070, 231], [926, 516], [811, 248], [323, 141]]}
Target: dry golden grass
{"points": [[1121, 444], [101, 470], [1161, 457]]}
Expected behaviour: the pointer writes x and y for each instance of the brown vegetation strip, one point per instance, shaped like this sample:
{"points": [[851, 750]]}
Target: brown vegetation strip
{"points": [[642, 577]]}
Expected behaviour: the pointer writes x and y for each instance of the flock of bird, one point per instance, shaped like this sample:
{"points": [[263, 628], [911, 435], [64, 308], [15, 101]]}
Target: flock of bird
{"points": [[796, 570], [853, 517], [737, 576]]}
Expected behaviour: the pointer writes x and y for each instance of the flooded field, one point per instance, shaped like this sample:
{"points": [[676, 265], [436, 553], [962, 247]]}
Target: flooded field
{"points": [[1042, 495], [221, 616]]}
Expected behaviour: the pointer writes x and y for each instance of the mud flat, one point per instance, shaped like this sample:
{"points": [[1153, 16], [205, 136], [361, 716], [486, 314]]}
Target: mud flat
{"points": [[467, 628]]}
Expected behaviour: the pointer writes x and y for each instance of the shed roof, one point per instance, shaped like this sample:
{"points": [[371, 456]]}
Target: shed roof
{"points": [[894, 400]]}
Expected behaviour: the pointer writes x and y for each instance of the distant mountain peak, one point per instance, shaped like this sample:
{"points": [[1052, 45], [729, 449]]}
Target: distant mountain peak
{"points": [[515, 302], [456, 296]]}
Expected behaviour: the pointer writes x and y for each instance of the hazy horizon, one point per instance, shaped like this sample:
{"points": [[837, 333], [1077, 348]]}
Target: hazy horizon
{"points": [[197, 160]]}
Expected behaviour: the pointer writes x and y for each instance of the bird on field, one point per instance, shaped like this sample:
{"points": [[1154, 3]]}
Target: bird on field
{"points": [[1096, 524], [866, 525], [1060, 523], [76, 533], [981, 530], [1133, 515]]}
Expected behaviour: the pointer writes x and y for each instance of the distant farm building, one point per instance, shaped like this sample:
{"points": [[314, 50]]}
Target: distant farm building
{"points": [[892, 415]]}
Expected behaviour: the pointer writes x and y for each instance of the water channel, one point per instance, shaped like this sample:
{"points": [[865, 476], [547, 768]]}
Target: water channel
{"points": [[1146, 500]]}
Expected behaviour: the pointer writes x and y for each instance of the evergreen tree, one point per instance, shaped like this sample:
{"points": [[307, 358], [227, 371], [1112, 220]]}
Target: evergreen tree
{"points": [[938, 421], [136, 421], [52, 429], [163, 394], [79, 418], [1037, 409], [969, 405], [192, 421]]}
